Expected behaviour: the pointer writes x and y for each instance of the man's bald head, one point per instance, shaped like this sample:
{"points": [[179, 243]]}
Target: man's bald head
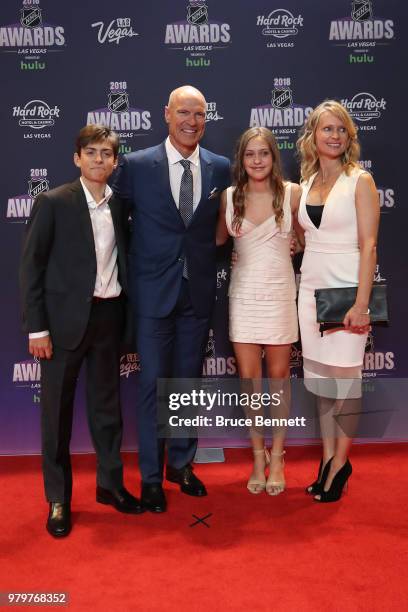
{"points": [[185, 115], [183, 91]]}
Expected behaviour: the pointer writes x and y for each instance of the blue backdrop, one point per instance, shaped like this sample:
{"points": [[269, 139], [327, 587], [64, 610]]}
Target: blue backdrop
{"points": [[65, 65]]}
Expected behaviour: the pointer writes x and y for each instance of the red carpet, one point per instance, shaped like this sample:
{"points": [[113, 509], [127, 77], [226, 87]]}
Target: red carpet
{"points": [[261, 553]]}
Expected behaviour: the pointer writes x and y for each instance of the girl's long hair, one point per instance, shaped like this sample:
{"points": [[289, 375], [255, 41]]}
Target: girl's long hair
{"points": [[240, 177]]}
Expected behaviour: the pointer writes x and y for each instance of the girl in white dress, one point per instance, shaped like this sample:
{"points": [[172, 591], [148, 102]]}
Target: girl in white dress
{"points": [[257, 212], [339, 213]]}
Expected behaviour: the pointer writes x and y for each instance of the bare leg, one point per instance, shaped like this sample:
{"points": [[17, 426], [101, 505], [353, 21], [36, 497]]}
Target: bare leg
{"points": [[338, 392], [249, 361], [345, 416], [328, 427], [277, 362]]}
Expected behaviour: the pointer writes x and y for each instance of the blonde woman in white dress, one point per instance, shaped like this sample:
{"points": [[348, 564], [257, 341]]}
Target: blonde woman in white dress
{"points": [[339, 213], [257, 211]]}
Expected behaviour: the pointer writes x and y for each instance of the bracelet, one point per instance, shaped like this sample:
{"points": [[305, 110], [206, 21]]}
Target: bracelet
{"points": [[365, 313]]}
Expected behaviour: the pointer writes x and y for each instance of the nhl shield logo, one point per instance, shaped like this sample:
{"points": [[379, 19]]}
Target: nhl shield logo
{"points": [[197, 13], [361, 10], [30, 17], [118, 102], [281, 98], [37, 186]]}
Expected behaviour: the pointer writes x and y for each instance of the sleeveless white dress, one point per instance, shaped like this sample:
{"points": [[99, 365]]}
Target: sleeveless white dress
{"points": [[331, 259], [262, 290]]}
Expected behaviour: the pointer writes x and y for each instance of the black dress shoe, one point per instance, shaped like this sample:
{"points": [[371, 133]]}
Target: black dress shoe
{"points": [[153, 498], [120, 499], [185, 477], [59, 520]]}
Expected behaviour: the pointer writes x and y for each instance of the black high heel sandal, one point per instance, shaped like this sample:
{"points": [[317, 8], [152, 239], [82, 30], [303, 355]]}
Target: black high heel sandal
{"points": [[337, 485], [316, 487]]}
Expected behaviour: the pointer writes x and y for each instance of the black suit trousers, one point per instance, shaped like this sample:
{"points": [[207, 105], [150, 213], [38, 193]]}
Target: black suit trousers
{"points": [[100, 350]]}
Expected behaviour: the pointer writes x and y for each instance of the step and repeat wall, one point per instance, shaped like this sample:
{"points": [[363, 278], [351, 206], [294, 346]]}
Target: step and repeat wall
{"points": [[259, 63]]}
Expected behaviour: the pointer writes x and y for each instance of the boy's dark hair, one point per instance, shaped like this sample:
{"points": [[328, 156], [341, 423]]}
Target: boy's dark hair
{"points": [[96, 133]]}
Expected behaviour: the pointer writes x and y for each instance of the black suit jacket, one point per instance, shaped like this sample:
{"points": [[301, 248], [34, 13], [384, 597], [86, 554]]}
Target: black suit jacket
{"points": [[58, 265]]}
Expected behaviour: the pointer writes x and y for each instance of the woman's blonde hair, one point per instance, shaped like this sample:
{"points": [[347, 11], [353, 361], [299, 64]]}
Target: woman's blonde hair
{"points": [[306, 144], [240, 177]]}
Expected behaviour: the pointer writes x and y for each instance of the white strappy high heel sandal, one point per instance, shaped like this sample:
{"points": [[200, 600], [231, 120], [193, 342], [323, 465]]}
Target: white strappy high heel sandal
{"points": [[255, 485], [275, 487]]}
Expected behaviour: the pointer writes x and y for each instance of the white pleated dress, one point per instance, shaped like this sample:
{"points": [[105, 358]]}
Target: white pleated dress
{"points": [[262, 291], [331, 259]]}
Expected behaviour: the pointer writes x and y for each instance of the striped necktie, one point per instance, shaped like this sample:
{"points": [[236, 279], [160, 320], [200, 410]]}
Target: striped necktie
{"points": [[186, 200]]}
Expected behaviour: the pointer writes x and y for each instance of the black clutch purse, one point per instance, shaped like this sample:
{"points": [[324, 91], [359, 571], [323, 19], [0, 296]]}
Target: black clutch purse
{"points": [[332, 305]]}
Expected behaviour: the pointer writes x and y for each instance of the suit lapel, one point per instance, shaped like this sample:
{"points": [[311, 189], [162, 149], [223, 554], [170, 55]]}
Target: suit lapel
{"points": [[161, 164], [83, 213], [114, 204], [206, 178]]}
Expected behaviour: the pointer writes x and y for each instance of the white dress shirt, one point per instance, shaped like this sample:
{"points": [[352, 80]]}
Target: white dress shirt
{"points": [[106, 282], [176, 171]]}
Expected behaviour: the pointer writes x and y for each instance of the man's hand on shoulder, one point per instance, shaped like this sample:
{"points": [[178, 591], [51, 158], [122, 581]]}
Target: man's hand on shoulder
{"points": [[40, 347]]}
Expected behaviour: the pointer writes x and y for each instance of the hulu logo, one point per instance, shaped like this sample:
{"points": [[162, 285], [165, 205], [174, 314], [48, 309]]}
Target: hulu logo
{"points": [[361, 59], [32, 65], [124, 149], [285, 145], [197, 63]]}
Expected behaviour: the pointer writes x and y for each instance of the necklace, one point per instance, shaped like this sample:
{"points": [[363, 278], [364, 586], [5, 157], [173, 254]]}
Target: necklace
{"points": [[328, 177], [326, 183]]}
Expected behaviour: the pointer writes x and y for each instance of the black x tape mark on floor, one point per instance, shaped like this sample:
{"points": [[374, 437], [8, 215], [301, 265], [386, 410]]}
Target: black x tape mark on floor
{"points": [[201, 520]]}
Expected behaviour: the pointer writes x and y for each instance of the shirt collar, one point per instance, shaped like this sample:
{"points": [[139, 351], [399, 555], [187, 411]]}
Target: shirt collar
{"points": [[89, 196], [175, 156]]}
